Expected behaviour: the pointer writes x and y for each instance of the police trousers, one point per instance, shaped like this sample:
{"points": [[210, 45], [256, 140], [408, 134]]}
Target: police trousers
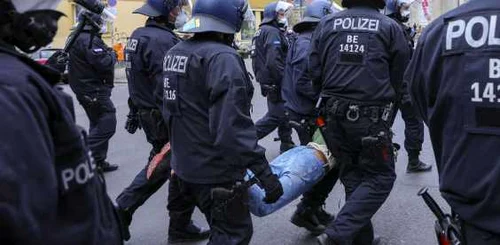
{"points": [[230, 221], [364, 150], [102, 120], [320, 191], [414, 129], [274, 118], [142, 188], [474, 235]]}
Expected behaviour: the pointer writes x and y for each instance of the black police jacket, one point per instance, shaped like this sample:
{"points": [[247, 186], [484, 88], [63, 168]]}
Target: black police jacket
{"points": [[91, 65], [269, 48], [454, 78], [359, 54], [207, 98], [144, 55], [50, 192], [297, 89]]}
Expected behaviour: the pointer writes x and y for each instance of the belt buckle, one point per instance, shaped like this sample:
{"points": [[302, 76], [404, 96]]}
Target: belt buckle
{"points": [[387, 112], [353, 113]]}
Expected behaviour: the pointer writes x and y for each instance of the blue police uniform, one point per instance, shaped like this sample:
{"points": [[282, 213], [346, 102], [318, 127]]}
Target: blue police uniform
{"points": [[268, 63], [50, 191], [414, 126], [357, 60], [454, 81], [207, 100], [144, 54], [300, 101], [91, 74], [297, 91]]}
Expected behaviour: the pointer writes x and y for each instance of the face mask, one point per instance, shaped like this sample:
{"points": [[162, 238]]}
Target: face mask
{"points": [[283, 23], [405, 15], [104, 28], [35, 29], [181, 20]]}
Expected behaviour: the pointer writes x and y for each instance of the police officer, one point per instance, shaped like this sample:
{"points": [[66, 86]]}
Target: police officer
{"points": [[300, 101], [207, 99], [398, 10], [91, 74], [357, 61], [49, 190], [454, 79], [144, 54], [269, 48]]}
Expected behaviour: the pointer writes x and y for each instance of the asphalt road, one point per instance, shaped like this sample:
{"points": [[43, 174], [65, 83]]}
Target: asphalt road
{"points": [[403, 219]]}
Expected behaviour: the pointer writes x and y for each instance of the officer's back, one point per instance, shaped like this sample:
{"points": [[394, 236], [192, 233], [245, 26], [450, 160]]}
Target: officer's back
{"points": [[269, 54], [189, 94], [91, 64], [364, 55], [145, 50], [454, 80], [297, 90]]}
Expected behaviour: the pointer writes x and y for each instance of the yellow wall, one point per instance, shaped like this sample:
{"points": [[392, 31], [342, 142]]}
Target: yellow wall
{"points": [[125, 23]]}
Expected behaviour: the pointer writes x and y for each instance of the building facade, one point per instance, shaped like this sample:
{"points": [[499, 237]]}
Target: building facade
{"points": [[126, 22]]}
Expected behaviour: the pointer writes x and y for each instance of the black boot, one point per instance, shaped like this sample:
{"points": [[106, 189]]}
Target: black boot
{"points": [[105, 166], [415, 165], [377, 240], [190, 233], [323, 216], [323, 239], [286, 145], [306, 217], [125, 218]]}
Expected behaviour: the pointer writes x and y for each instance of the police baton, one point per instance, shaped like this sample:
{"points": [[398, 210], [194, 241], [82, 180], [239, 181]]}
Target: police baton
{"points": [[447, 229], [320, 123], [95, 7]]}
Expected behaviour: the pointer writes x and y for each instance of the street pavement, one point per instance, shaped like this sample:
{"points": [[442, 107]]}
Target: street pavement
{"points": [[403, 219]]}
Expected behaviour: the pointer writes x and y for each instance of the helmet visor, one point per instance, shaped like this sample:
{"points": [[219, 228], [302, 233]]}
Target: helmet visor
{"points": [[30, 5]]}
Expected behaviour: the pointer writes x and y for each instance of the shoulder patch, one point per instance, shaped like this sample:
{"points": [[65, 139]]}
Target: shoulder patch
{"points": [[132, 44]]}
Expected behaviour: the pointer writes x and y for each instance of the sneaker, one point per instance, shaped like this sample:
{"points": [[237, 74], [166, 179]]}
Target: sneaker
{"points": [[305, 217], [323, 216], [105, 166], [191, 233], [417, 166], [323, 239], [125, 218]]}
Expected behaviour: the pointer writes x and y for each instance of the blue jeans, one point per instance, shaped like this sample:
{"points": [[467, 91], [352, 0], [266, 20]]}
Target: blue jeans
{"points": [[298, 170]]}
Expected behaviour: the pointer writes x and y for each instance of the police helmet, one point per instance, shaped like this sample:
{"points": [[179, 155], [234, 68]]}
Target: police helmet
{"points": [[216, 16], [316, 10], [271, 10], [156, 8], [270, 13], [24, 6], [379, 4], [94, 21], [28, 29]]}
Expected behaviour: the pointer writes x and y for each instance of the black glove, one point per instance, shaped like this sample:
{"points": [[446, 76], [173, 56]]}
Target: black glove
{"points": [[132, 123], [58, 61], [272, 187]]}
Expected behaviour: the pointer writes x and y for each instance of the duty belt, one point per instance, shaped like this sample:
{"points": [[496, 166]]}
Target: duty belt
{"points": [[353, 111]]}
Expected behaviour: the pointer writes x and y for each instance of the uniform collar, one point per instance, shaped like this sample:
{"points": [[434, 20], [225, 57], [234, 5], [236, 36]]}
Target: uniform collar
{"points": [[153, 23], [364, 7], [48, 73]]}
